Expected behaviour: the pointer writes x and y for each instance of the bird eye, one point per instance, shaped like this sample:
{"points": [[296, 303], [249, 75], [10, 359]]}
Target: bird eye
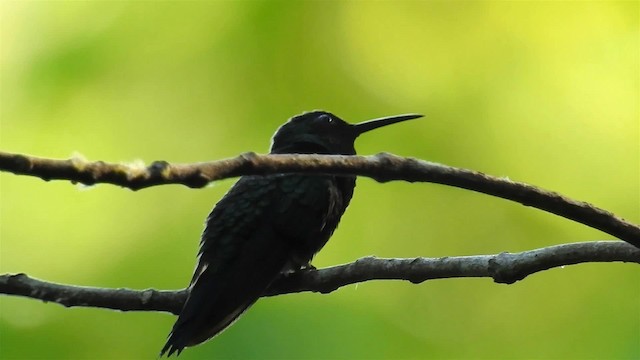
{"points": [[326, 118]]}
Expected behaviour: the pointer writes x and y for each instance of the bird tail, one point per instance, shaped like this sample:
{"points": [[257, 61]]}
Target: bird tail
{"points": [[219, 295], [180, 337]]}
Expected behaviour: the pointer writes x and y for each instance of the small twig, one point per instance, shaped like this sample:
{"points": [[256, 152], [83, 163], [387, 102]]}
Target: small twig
{"points": [[504, 268], [382, 167]]}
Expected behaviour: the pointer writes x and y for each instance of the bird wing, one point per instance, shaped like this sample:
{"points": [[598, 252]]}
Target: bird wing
{"points": [[306, 218], [244, 248]]}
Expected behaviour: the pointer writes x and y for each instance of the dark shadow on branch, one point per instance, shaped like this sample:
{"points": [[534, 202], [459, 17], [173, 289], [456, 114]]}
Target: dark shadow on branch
{"points": [[504, 268], [382, 167]]}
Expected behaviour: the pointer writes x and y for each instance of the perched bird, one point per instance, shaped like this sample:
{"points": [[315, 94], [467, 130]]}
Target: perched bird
{"points": [[267, 225]]}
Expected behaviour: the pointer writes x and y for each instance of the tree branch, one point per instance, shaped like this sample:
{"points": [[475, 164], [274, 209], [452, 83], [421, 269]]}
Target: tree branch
{"points": [[382, 167], [504, 268]]}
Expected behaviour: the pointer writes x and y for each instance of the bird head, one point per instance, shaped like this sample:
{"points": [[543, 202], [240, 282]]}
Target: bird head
{"points": [[320, 132]]}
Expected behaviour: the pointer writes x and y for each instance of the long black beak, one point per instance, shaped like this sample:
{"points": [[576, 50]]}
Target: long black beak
{"points": [[365, 126]]}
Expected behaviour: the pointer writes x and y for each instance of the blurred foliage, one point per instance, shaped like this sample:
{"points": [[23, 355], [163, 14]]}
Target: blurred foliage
{"points": [[541, 92]]}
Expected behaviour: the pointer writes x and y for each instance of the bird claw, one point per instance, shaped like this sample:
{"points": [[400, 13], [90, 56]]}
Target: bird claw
{"points": [[307, 266], [298, 268]]}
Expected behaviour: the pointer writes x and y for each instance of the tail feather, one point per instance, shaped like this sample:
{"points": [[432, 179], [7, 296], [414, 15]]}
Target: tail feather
{"points": [[182, 335], [171, 348], [219, 295]]}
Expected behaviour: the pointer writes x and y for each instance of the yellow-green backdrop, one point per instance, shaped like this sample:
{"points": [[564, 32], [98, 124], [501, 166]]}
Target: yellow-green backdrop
{"points": [[542, 92]]}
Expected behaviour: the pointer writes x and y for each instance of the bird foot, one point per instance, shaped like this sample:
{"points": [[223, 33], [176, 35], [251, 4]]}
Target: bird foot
{"points": [[297, 268], [307, 266]]}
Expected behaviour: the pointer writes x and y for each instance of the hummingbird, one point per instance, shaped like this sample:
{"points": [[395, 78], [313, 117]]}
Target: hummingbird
{"points": [[267, 226]]}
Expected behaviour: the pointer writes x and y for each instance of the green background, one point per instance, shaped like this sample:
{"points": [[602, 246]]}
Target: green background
{"points": [[542, 92]]}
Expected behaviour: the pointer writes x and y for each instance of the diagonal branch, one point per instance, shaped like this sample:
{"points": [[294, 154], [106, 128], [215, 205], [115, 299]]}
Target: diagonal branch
{"points": [[504, 268], [382, 167]]}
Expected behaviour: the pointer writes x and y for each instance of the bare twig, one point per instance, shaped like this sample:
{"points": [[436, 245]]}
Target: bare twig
{"points": [[382, 167], [503, 268]]}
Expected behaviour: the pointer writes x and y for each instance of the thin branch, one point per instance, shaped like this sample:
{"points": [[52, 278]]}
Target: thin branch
{"points": [[504, 268], [382, 167]]}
